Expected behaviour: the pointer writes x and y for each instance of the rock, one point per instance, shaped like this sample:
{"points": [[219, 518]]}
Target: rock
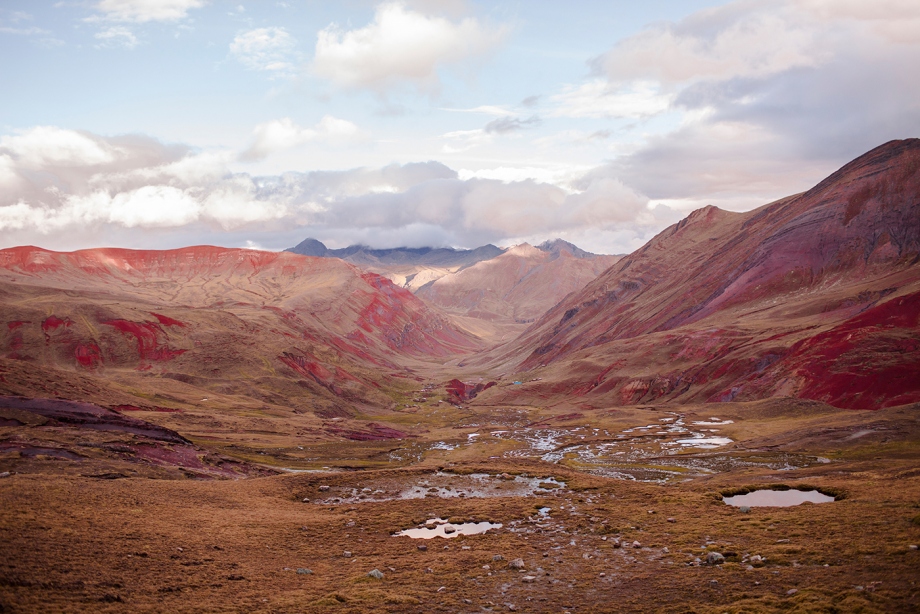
{"points": [[744, 509], [616, 543], [306, 499], [235, 577], [350, 523], [602, 575], [449, 528], [487, 567], [506, 476], [429, 570], [672, 519], [713, 583], [756, 560], [530, 579], [109, 598], [516, 564], [914, 547], [347, 554], [498, 557], [423, 548], [465, 548], [636, 545], [792, 591], [468, 601], [304, 571], [5, 474], [376, 574], [665, 550], [323, 488], [714, 558]]}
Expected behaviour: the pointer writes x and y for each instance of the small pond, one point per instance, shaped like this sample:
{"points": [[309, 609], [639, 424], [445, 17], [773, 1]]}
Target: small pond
{"points": [[438, 527], [777, 498]]}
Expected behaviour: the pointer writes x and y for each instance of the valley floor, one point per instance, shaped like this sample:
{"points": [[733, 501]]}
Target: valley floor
{"points": [[83, 535]]}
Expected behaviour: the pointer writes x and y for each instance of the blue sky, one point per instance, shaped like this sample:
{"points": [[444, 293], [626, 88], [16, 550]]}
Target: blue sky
{"points": [[161, 123]]}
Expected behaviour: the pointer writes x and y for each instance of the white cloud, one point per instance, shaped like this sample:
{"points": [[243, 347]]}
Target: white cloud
{"points": [[599, 98], [283, 133], [47, 145], [498, 111], [154, 206], [116, 36], [141, 11], [399, 46], [272, 50]]}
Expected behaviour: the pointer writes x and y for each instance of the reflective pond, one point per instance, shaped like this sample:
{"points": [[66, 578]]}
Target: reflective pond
{"points": [[777, 498]]}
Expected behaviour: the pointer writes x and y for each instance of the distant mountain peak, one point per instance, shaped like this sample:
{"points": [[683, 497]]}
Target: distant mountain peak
{"points": [[556, 246], [310, 247]]}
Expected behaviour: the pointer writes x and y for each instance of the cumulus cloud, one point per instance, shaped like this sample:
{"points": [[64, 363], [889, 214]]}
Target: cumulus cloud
{"points": [[765, 98], [61, 184], [400, 46], [283, 133], [141, 11], [272, 50]]}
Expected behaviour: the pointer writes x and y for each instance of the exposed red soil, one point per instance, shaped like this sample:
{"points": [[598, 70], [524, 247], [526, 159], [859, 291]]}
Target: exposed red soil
{"points": [[460, 391]]}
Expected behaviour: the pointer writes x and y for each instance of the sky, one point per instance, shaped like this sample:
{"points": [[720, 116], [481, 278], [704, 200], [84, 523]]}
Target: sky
{"points": [[155, 124]]}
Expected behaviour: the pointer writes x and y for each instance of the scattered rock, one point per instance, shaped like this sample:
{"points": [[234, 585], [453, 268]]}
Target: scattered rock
{"points": [[756, 560], [5, 474], [636, 545], [652, 512], [323, 488], [468, 601], [306, 499], [602, 575], [530, 579], [350, 523], [672, 519], [465, 548], [792, 591], [441, 589], [665, 550], [616, 543], [715, 558], [448, 529], [914, 547], [498, 557], [304, 571], [376, 574], [516, 564], [713, 583], [108, 597], [423, 548], [347, 554], [487, 567], [744, 509], [235, 577]]}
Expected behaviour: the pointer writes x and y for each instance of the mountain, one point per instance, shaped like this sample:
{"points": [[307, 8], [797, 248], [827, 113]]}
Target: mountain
{"points": [[242, 328], [409, 267], [517, 286], [816, 295]]}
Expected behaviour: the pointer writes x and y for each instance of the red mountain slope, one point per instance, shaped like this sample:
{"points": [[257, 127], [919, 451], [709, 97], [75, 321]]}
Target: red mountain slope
{"points": [[733, 305], [309, 332]]}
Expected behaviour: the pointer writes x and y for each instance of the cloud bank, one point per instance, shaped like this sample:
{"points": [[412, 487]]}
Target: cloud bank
{"points": [[57, 182]]}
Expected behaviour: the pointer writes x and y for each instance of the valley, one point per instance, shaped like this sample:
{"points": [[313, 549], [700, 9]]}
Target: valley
{"points": [[217, 429]]}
